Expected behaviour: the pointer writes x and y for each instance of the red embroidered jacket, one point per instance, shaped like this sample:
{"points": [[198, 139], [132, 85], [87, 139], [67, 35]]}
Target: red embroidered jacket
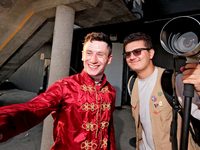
{"points": [[82, 112]]}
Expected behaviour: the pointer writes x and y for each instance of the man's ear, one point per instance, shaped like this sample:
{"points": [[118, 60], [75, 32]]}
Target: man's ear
{"points": [[82, 56], [109, 59], [151, 52]]}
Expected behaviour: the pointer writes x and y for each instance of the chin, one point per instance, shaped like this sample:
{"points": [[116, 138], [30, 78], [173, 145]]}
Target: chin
{"points": [[91, 74]]}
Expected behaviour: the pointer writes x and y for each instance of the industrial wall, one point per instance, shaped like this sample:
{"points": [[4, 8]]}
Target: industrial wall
{"points": [[114, 72], [29, 76]]}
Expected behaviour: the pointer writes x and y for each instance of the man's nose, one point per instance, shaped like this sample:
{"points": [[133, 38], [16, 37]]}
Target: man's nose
{"points": [[132, 56], [93, 59]]}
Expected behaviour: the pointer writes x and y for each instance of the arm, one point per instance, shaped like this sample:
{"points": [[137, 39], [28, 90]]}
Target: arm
{"points": [[195, 111], [191, 75], [15, 119]]}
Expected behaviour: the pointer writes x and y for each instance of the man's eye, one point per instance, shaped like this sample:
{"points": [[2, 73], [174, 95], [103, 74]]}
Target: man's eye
{"points": [[100, 54], [137, 51], [128, 53], [88, 53]]}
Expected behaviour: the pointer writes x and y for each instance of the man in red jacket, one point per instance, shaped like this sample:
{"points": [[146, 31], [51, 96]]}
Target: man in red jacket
{"points": [[82, 105]]}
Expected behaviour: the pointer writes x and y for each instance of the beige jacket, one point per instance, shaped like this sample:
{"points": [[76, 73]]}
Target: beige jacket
{"points": [[161, 117]]}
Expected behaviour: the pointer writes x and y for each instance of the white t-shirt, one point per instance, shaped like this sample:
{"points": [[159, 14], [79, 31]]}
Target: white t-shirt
{"points": [[145, 88]]}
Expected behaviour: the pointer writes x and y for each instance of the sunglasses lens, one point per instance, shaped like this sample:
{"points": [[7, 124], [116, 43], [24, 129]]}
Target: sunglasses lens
{"points": [[137, 52], [128, 54]]}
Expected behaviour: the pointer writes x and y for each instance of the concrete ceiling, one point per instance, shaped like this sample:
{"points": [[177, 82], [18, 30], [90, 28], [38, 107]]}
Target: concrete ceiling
{"points": [[28, 24]]}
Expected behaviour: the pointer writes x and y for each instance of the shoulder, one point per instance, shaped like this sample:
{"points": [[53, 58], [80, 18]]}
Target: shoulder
{"points": [[131, 83], [161, 69], [110, 86], [73, 79]]}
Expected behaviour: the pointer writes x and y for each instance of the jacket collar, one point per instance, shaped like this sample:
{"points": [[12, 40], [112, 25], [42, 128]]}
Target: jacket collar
{"points": [[89, 81]]}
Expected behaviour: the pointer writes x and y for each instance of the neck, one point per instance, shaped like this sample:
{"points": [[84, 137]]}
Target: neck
{"points": [[143, 74], [97, 79]]}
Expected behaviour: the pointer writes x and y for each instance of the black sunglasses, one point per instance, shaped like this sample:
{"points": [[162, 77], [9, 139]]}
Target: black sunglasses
{"points": [[136, 52]]}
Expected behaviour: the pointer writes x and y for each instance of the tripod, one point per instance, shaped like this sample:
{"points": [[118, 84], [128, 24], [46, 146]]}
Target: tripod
{"points": [[188, 93]]}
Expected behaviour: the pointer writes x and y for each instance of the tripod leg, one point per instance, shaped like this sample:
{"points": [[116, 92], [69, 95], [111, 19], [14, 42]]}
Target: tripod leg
{"points": [[188, 93]]}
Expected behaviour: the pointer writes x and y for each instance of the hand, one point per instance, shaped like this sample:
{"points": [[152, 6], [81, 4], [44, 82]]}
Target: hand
{"points": [[191, 75]]}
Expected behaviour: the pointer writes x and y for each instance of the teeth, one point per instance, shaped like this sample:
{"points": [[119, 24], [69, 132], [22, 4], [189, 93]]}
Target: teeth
{"points": [[93, 66]]}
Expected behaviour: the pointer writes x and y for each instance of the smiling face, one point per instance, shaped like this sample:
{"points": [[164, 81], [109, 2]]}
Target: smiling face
{"points": [[95, 58], [142, 64]]}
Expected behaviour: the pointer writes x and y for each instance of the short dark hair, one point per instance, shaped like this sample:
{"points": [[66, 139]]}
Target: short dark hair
{"points": [[137, 37], [99, 36]]}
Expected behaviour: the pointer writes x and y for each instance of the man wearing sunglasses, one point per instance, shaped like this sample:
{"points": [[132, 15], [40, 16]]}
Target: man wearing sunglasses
{"points": [[150, 108]]}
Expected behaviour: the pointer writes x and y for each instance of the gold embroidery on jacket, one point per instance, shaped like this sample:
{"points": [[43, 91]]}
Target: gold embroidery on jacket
{"points": [[86, 145], [92, 126], [93, 106], [105, 89], [104, 124], [105, 143], [89, 126], [87, 88], [84, 87], [88, 106], [105, 105], [90, 88]]}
